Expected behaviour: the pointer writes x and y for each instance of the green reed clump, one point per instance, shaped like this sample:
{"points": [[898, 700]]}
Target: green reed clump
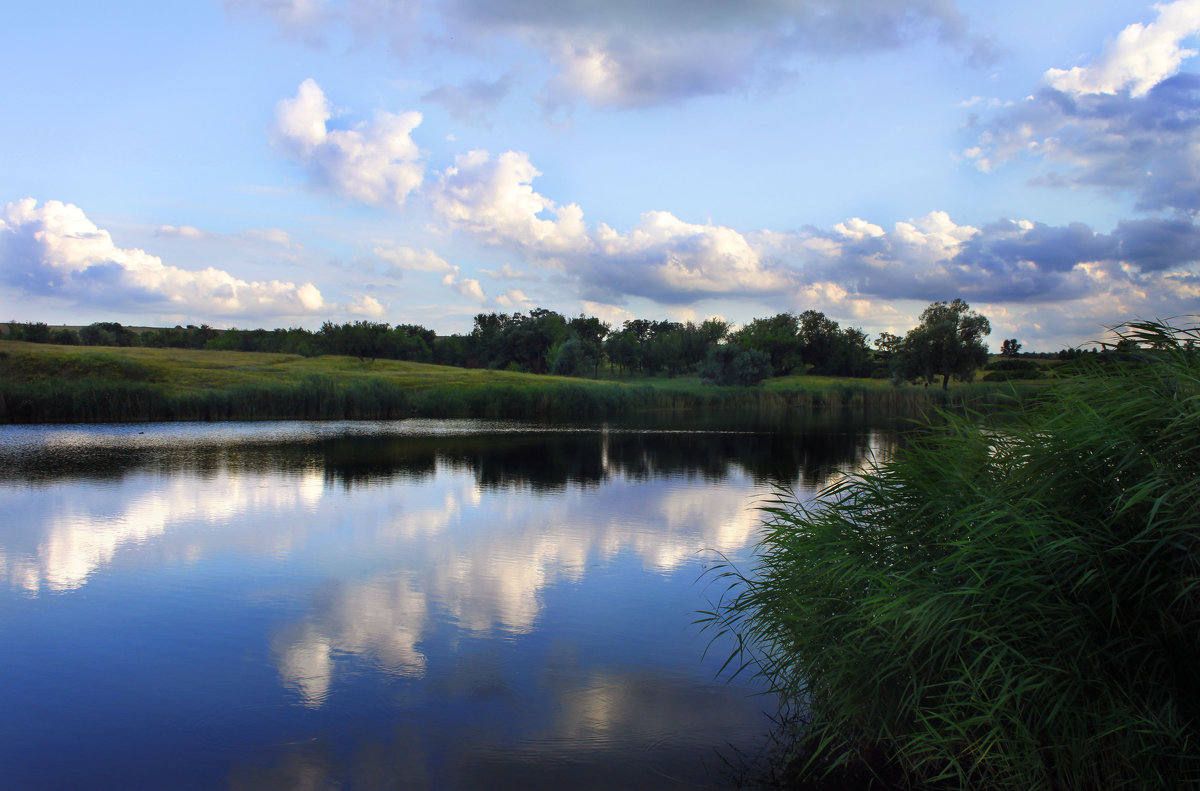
{"points": [[1000, 609], [85, 400]]}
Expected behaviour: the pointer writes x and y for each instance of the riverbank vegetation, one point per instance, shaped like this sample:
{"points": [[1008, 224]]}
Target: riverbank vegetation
{"points": [[998, 608], [53, 383], [948, 342]]}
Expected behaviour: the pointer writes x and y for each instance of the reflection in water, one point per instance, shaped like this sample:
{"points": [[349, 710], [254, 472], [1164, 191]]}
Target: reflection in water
{"points": [[416, 605], [381, 619], [81, 533]]}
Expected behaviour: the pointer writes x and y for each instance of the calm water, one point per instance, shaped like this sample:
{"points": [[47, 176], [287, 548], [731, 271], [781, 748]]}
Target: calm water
{"points": [[421, 604]]}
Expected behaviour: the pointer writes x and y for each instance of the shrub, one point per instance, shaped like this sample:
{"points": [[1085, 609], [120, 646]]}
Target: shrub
{"points": [[1013, 608]]}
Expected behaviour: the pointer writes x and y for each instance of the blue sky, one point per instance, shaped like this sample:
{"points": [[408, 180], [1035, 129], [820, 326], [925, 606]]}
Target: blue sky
{"points": [[283, 162]]}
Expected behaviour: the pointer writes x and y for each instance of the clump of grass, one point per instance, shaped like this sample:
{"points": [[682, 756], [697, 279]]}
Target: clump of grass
{"points": [[1000, 609], [98, 365]]}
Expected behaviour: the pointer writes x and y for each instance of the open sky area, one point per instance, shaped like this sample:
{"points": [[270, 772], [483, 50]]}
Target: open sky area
{"points": [[275, 163]]}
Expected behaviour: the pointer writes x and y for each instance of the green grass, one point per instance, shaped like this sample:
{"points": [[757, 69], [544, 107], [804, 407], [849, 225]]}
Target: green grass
{"points": [[1005, 608], [48, 383]]}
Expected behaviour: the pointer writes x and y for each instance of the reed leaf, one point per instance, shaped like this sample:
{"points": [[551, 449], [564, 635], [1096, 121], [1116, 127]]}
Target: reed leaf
{"points": [[1009, 607]]}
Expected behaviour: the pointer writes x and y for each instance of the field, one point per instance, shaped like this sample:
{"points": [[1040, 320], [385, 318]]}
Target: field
{"points": [[49, 383]]}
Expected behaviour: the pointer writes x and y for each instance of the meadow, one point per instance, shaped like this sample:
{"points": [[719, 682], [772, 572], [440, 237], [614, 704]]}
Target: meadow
{"points": [[51, 383]]}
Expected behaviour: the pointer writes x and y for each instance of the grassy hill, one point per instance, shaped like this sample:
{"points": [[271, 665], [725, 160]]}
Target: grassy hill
{"points": [[49, 383]]}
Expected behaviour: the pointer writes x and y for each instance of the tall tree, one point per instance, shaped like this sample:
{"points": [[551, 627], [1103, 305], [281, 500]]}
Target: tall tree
{"points": [[948, 342], [775, 337]]}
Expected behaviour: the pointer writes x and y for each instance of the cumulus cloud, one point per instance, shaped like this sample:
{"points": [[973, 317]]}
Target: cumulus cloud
{"points": [[673, 261], [406, 259], [629, 53], [1053, 282], [376, 162], [515, 299], [54, 249], [662, 257], [465, 286], [367, 306], [1125, 123], [493, 199], [852, 270], [1141, 57], [1005, 261]]}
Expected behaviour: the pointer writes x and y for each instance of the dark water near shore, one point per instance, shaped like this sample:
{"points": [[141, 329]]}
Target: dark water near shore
{"points": [[420, 604]]}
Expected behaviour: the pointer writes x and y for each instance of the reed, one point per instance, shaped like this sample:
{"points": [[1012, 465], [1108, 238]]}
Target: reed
{"points": [[1014, 608], [47, 383]]}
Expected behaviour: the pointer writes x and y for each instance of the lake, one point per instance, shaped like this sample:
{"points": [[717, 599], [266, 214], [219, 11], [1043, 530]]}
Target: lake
{"points": [[415, 604]]}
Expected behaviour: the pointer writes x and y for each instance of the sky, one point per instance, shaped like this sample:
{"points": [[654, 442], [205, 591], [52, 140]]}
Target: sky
{"points": [[279, 163]]}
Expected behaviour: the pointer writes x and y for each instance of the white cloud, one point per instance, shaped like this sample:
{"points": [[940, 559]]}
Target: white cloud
{"points": [[468, 287], [855, 228], [376, 162], [506, 272], [56, 249], [1123, 124], [185, 231], [610, 314], [406, 259], [678, 259], [367, 306], [514, 298], [272, 236], [493, 199], [852, 270], [276, 236], [1141, 57]]}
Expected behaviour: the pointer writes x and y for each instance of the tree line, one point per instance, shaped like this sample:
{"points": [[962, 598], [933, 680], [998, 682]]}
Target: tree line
{"points": [[946, 344]]}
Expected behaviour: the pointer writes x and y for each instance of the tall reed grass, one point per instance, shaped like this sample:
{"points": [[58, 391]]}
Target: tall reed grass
{"points": [[1013, 608]]}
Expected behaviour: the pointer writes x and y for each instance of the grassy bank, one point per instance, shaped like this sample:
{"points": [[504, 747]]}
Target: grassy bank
{"points": [[1016, 608], [48, 383]]}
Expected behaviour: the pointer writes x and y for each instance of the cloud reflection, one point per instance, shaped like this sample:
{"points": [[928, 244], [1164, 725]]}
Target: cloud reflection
{"points": [[381, 619], [85, 532], [486, 563]]}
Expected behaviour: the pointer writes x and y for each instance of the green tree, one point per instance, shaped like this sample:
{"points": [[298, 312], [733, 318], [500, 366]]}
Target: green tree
{"points": [[775, 337], [590, 332], [1010, 347], [888, 346], [726, 364], [948, 342], [819, 338]]}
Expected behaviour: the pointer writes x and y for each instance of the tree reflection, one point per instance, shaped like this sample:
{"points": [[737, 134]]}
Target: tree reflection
{"points": [[805, 448]]}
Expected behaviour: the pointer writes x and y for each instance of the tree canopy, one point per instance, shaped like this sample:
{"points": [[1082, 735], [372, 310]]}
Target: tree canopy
{"points": [[948, 342]]}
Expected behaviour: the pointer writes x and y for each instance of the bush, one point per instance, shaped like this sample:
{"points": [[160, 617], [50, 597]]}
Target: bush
{"points": [[1019, 374], [1013, 608], [1009, 364]]}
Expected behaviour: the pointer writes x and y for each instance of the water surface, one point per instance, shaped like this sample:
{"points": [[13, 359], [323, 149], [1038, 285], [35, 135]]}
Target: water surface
{"points": [[419, 604]]}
